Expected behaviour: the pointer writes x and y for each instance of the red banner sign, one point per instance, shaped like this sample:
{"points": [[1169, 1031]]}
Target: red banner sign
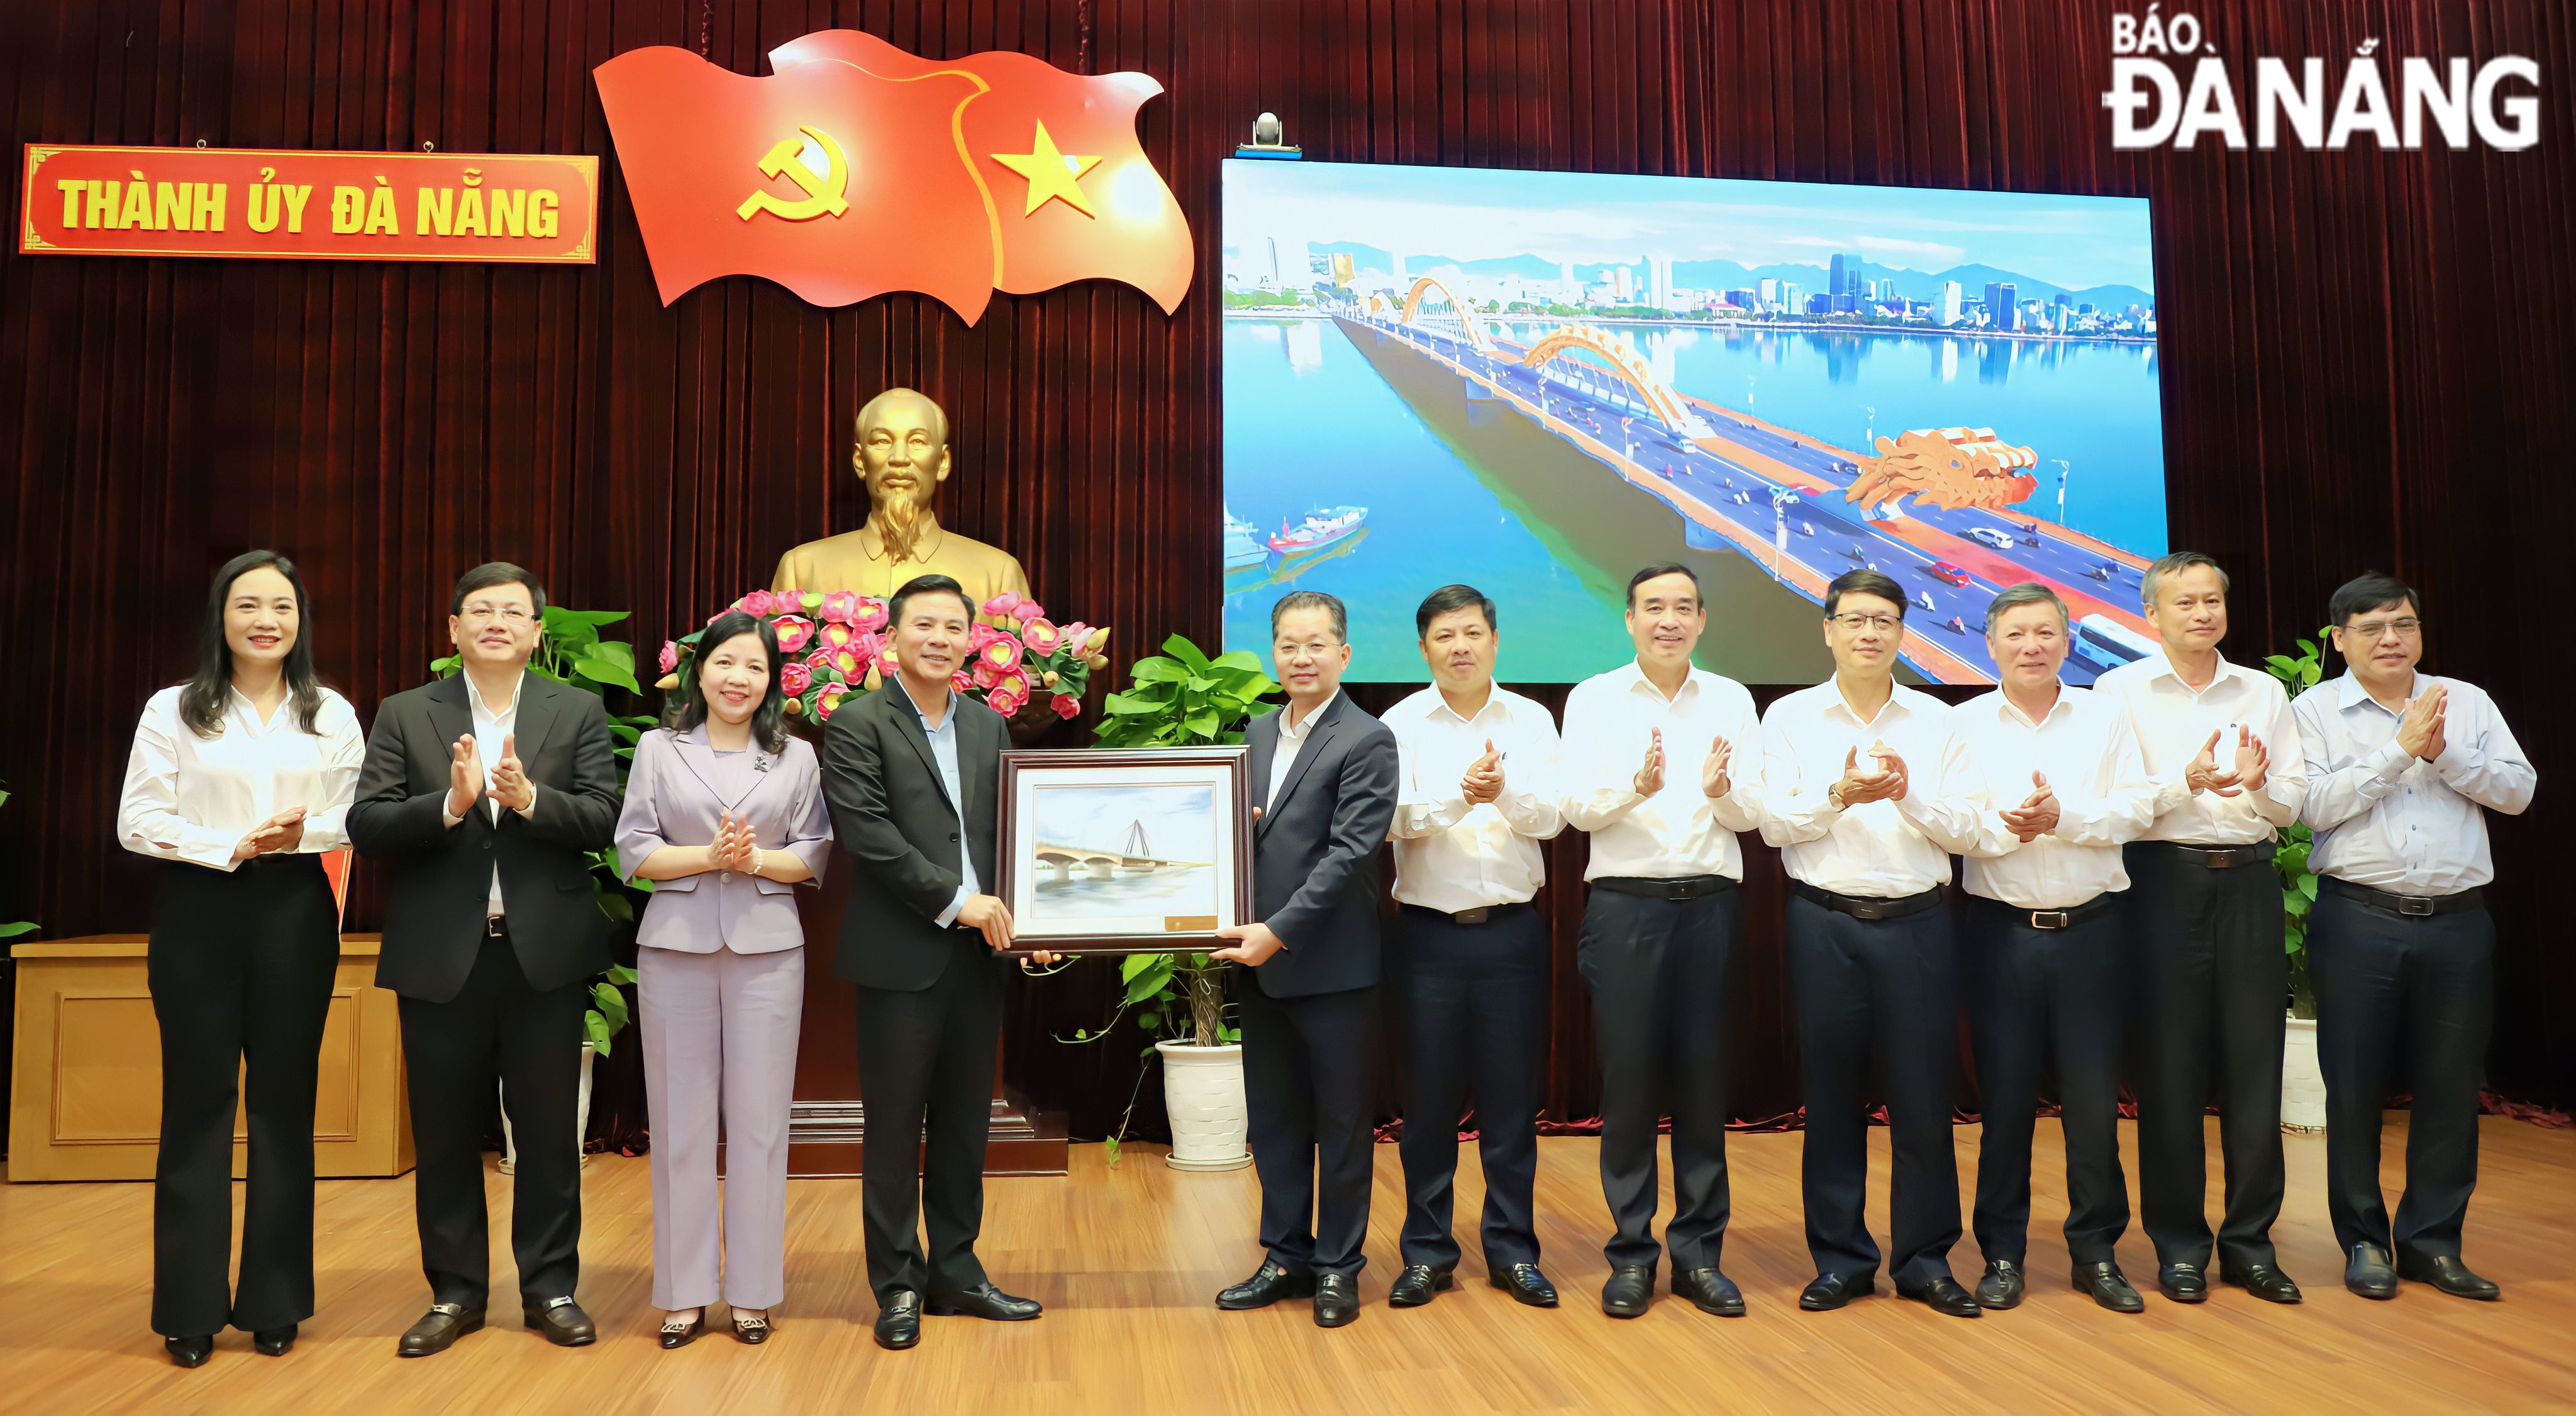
{"points": [[351, 206]]}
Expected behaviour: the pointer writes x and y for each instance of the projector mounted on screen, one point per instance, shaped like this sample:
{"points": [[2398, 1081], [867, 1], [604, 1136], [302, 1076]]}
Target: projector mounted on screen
{"points": [[1537, 382]]}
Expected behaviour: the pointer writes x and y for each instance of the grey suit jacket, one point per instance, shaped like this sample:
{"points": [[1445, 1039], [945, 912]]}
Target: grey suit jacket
{"points": [[677, 793], [904, 837], [1315, 869]]}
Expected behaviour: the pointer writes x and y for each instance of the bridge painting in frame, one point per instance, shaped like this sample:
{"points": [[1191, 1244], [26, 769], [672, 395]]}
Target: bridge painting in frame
{"points": [[1125, 851]]}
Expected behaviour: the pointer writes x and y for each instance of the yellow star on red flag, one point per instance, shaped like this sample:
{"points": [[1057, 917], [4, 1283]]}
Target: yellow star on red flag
{"points": [[1052, 175]]}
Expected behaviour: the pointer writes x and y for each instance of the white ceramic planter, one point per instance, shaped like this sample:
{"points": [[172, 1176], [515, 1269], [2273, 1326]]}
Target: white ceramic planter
{"points": [[1203, 1093], [581, 1127], [2303, 1082]]}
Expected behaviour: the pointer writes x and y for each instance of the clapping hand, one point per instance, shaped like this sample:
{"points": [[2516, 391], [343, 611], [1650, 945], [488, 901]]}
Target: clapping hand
{"points": [[464, 776], [1885, 784], [2253, 760], [1713, 778], [510, 784], [1484, 779], [2419, 728], [282, 832], [733, 846], [2204, 775], [1650, 773], [2037, 815]]}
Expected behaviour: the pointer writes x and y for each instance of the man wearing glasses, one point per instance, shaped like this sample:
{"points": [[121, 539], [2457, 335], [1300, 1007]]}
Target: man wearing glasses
{"points": [[2400, 946], [2205, 934]]}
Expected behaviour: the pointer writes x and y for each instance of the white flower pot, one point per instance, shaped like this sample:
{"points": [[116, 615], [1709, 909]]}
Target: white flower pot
{"points": [[2303, 1082], [580, 1128], [1203, 1093]]}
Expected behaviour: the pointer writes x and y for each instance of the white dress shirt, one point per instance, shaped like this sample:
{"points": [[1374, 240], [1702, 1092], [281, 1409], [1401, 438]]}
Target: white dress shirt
{"points": [[943, 750], [2088, 752], [492, 731], [1679, 831], [2173, 721], [1875, 849], [1293, 732], [1452, 856], [2390, 820], [193, 798]]}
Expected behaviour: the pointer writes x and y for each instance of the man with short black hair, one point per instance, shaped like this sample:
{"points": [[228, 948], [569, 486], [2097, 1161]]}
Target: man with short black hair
{"points": [[2400, 945]]}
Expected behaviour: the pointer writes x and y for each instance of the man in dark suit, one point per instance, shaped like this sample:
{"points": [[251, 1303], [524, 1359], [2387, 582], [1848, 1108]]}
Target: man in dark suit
{"points": [[482, 793], [913, 773], [1324, 780]]}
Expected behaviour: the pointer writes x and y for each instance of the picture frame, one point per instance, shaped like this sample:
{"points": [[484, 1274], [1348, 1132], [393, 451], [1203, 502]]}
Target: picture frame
{"points": [[1125, 851]]}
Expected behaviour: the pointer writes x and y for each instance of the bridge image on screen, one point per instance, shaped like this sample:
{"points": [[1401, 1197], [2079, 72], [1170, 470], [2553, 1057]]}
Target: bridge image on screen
{"points": [[1537, 382]]}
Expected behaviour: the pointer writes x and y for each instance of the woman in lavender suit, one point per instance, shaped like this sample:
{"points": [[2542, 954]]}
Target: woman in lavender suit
{"points": [[725, 814]]}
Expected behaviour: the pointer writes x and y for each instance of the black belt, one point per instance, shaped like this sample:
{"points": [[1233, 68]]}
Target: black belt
{"points": [[1482, 914], [1866, 906], [494, 927], [2067, 918], [1677, 887], [2411, 906], [2221, 857]]}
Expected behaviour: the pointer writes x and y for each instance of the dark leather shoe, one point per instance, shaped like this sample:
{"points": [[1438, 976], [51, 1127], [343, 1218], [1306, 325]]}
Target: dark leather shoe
{"points": [[190, 1351], [899, 1321], [2262, 1280], [2109, 1287], [1526, 1285], [751, 1332], [2183, 1283], [2001, 1287], [1415, 1286], [986, 1302], [678, 1335], [2448, 1274], [562, 1321], [1943, 1295], [1269, 1284], [273, 1342], [438, 1329], [1337, 1300], [1630, 1291], [1710, 1291], [1832, 1290], [2369, 1273]]}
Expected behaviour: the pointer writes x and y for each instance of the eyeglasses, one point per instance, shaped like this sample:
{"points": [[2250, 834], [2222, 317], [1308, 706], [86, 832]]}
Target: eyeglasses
{"points": [[510, 615], [2406, 628], [1856, 623]]}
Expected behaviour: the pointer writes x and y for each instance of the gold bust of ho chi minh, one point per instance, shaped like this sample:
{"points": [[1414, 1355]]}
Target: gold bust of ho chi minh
{"points": [[902, 455]]}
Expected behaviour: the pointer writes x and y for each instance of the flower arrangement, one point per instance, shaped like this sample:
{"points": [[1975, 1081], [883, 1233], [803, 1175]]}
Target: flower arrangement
{"points": [[837, 644]]}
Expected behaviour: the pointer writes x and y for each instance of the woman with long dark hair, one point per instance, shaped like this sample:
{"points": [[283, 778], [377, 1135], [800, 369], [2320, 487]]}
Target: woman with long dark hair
{"points": [[241, 778], [725, 814]]}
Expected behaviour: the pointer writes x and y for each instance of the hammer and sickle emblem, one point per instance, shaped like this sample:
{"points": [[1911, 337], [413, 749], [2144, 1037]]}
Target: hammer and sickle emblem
{"points": [[822, 194]]}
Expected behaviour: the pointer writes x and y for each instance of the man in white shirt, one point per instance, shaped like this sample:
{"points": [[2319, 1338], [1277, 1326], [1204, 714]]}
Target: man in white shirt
{"points": [[2040, 786], [1659, 767], [1470, 965], [2205, 934], [1870, 950], [2401, 767]]}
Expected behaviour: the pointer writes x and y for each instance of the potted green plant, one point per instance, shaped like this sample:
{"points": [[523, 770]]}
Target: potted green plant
{"points": [[1184, 698], [2303, 1086]]}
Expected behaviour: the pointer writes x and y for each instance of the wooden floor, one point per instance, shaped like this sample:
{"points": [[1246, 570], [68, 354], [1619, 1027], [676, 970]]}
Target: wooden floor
{"points": [[1128, 1258]]}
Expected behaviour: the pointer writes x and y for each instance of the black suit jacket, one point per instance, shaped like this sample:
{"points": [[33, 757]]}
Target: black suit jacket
{"points": [[442, 876], [893, 819], [1315, 850]]}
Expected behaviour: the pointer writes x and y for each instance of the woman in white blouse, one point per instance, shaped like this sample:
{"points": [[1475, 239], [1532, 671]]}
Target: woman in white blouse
{"points": [[241, 777]]}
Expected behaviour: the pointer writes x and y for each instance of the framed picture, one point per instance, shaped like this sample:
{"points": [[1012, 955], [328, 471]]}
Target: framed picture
{"points": [[1121, 852]]}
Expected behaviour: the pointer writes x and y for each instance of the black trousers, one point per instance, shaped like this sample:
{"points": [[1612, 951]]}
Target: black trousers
{"points": [[1310, 1081], [1471, 1003], [2213, 988], [2038, 997], [497, 1027], [926, 1083], [1659, 971], [2389, 986], [1887, 986], [240, 966]]}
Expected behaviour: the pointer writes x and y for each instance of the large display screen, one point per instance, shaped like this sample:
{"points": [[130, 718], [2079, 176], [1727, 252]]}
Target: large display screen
{"points": [[1536, 382]]}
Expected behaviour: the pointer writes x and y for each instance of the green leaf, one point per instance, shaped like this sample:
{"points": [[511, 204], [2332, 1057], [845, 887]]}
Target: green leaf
{"points": [[1239, 659], [447, 665], [596, 1028], [1180, 647], [15, 928], [1112, 1144], [1149, 1021], [606, 671], [2308, 886], [620, 973], [1158, 670], [616, 906]]}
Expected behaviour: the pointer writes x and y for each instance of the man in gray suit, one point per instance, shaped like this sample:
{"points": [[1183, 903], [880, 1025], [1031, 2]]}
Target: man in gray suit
{"points": [[1323, 788], [913, 774]]}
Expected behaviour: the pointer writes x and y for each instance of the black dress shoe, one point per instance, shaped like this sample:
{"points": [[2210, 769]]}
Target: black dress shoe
{"points": [[1832, 1290], [751, 1331], [273, 1342], [1337, 1300], [2001, 1287], [190, 1351], [561, 1320], [2183, 1283], [1710, 1292], [986, 1302], [1416, 1284], [1943, 1295], [678, 1335], [1630, 1291], [438, 1329], [899, 1321], [2447, 1273], [2262, 1280], [1526, 1284], [1269, 1284], [2369, 1273], [2109, 1287]]}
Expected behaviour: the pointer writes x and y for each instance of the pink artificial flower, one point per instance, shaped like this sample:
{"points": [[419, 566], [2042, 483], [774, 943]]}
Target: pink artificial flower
{"points": [[867, 647], [835, 636], [1027, 610], [1066, 705], [794, 679], [980, 635], [820, 661], [1017, 682], [984, 674], [871, 613], [1003, 603], [840, 607], [1001, 651], [962, 681], [1040, 636], [887, 663], [788, 602], [794, 632], [828, 699], [1005, 702], [758, 603], [670, 656]]}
